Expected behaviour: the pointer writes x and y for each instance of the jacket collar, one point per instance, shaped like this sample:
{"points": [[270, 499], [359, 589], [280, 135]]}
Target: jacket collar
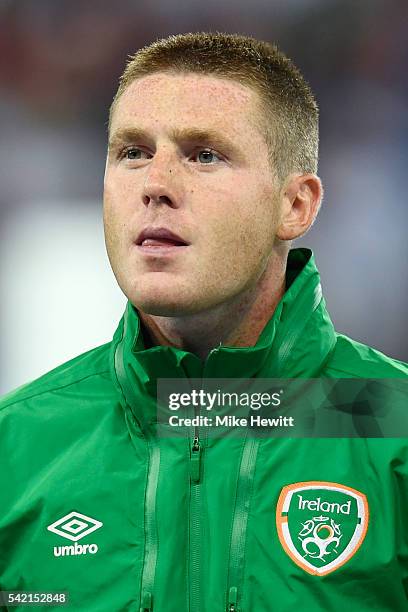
{"points": [[296, 342]]}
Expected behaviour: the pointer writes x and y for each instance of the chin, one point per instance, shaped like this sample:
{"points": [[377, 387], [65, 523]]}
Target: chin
{"points": [[168, 299], [164, 304], [165, 308]]}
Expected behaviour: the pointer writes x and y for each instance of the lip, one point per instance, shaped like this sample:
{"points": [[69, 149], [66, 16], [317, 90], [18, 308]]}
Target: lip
{"points": [[160, 250], [160, 233]]}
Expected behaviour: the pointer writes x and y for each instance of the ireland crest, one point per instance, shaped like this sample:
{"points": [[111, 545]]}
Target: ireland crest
{"points": [[321, 525]]}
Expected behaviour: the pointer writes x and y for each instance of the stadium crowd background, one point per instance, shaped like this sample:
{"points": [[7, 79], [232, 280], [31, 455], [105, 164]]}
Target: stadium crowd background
{"points": [[59, 67]]}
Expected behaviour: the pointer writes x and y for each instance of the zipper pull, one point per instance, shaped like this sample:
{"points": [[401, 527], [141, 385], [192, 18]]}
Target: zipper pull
{"points": [[147, 603], [232, 600], [195, 460]]}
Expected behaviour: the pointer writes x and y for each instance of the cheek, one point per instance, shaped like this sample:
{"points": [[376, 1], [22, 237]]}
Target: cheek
{"points": [[118, 207], [242, 214], [121, 189], [114, 224], [108, 214], [244, 224]]}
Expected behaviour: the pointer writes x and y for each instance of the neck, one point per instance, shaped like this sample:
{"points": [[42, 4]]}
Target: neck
{"points": [[237, 323]]}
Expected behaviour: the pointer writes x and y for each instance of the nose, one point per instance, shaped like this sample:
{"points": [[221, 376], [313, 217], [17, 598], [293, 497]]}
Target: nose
{"points": [[161, 185]]}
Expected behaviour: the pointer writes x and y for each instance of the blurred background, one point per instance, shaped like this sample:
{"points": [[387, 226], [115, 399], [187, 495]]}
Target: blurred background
{"points": [[59, 68]]}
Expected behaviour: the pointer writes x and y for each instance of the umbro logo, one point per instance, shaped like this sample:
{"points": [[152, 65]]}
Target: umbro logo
{"points": [[74, 526]]}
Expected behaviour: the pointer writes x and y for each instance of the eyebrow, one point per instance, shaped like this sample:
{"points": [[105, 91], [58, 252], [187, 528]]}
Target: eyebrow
{"points": [[180, 135]]}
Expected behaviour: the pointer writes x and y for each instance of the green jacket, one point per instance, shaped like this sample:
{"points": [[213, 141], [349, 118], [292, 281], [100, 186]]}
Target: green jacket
{"points": [[94, 504]]}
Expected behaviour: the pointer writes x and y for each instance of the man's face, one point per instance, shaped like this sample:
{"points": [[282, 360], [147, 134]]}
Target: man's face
{"points": [[186, 155]]}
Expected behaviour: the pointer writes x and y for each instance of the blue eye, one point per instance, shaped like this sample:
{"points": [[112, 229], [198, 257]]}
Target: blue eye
{"points": [[134, 153], [207, 157]]}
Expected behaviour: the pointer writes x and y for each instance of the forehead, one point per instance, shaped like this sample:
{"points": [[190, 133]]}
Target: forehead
{"points": [[178, 99]]}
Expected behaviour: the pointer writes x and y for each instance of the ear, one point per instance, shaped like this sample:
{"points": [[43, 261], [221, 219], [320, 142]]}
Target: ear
{"points": [[301, 196]]}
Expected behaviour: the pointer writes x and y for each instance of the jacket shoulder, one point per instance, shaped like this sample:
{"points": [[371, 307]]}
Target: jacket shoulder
{"points": [[354, 359], [91, 363]]}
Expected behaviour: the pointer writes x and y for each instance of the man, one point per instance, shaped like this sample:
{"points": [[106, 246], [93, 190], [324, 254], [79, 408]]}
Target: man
{"points": [[210, 174]]}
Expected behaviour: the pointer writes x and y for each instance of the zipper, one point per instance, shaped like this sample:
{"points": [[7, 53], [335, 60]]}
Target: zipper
{"points": [[150, 526], [240, 521], [195, 459], [150, 557], [232, 600], [247, 471], [196, 515], [151, 543], [195, 522], [147, 604]]}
